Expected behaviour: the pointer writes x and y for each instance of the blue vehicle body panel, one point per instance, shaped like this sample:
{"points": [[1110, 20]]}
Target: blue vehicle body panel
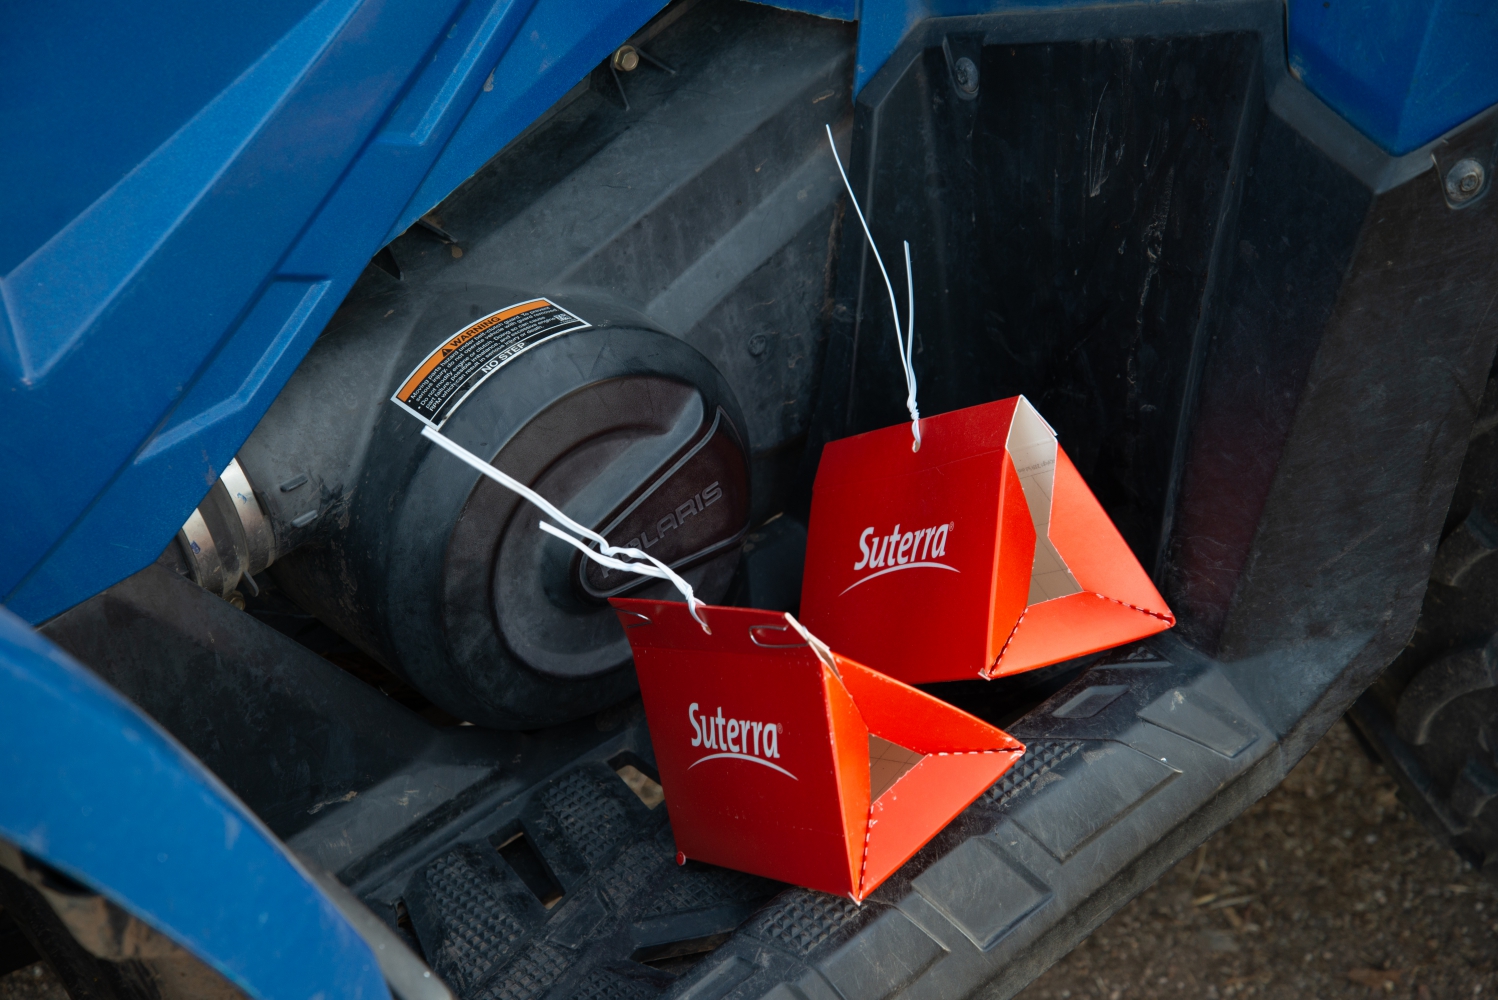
{"points": [[183, 210], [143, 340], [185, 236], [554, 48], [1404, 72], [133, 815]]}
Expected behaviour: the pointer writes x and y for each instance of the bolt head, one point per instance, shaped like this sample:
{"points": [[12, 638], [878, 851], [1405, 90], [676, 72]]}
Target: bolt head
{"points": [[965, 71], [758, 344], [1464, 181], [627, 59]]}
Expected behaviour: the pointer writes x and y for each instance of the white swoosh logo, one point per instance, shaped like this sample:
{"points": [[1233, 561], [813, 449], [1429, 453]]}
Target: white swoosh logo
{"points": [[896, 569], [744, 756]]}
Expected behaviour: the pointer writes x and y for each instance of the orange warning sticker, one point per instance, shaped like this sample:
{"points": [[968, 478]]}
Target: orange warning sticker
{"points": [[446, 377]]}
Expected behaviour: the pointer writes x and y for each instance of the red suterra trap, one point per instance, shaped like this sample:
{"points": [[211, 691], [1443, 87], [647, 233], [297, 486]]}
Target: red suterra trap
{"points": [[983, 554], [795, 764]]}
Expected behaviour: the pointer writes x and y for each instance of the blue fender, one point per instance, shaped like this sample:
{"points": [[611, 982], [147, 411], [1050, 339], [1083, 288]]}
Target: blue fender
{"points": [[198, 193], [182, 210], [99, 791]]}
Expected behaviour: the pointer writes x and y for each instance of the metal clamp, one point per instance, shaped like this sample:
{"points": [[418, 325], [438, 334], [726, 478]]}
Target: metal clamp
{"points": [[774, 645]]}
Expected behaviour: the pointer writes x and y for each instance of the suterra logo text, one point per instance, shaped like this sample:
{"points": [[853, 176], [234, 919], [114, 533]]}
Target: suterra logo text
{"points": [[735, 739], [881, 554]]}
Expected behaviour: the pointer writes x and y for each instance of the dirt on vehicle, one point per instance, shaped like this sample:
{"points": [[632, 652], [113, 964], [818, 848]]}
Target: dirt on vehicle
{"points": [[1325, 888]]}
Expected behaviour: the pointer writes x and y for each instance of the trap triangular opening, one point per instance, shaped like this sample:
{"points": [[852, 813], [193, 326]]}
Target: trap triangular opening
{"points": [[888, 763], [1032, 446]]}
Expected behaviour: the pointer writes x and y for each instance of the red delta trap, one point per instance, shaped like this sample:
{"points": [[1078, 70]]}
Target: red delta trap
{"points": [[982, 554], [797, 763]]}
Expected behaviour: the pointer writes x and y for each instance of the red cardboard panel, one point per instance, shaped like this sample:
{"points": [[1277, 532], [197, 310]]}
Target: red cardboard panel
{"points": [[926, 799], [996, 588], [1098, 557], [1079, 624], [1014, 556], [764, 749], [961, 434], [782, 792], [912, 718], [966, 556], [850, 744], [1118, 603]]}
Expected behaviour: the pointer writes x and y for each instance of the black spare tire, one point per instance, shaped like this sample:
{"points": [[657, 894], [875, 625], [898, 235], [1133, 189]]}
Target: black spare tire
{"points": [[445, 577]]}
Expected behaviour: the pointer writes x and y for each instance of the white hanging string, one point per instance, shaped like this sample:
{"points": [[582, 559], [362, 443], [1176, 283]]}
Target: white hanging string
{"points": [[823, 651], [603, 556], [906, 342]]}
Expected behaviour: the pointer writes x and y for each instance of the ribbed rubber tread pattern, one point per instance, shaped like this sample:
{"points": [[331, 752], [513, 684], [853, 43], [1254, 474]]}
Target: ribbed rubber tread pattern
{"points": [[592, 820], [697, 889], [606, 985], [1040, 756], [801, 919], [632, 870], [478, 930], [531, 975]]}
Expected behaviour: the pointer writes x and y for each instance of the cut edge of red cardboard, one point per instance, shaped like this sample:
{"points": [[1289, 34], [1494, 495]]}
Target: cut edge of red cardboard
{"points": [[836, 468], [1146, 623]]}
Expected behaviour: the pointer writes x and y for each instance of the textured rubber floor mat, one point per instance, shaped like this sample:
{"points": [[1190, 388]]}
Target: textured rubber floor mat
{"points": [[592, 820], [608, 984], [470, 912], [802, 919], [624, 901], [531, 975], [701, 888], [1040, 756], [595, 906]]}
